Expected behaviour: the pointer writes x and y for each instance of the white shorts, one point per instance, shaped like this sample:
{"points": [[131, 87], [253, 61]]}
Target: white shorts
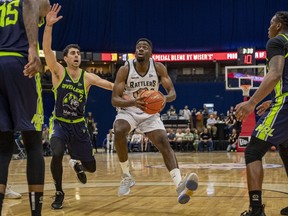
{"points": [[144, 122]]}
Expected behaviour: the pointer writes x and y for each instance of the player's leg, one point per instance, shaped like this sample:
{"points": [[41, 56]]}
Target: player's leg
{"points": [[6, 151], [35, 169], [184, 187], [27, 113], [81, 151], [283, 151], [155, 131], [121, 129], [56, 167], [254, 153]]}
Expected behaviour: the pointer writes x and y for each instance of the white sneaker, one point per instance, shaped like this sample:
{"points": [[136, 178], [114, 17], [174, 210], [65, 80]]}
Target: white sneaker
{"points": [[125, 185], [186, 187], [10, 194], [78, 168]]}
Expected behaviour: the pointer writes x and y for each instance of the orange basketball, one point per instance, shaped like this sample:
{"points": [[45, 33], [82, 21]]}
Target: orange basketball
{"points": [[155, 101]]}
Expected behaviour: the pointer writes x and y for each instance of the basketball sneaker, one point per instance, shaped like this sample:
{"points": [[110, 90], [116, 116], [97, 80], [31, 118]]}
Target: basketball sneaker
{"points": [[284, 211], [186, 187], [260, 212], [10, 194], [58, 200], [78, 168], [126, 183]]}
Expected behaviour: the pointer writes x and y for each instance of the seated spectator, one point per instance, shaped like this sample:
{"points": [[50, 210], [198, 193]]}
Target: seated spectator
{"points": [[171, 138], [211, 121], [136, 142], [205, 141], [171, 110], [178, 139], [196, 140], [231, 123], [187, 142], [233, 139]]}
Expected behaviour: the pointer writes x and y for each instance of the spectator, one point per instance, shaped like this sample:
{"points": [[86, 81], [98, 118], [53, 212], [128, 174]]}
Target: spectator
{"points": [[233, 139], [196, 140], [205, 141], [211, 121], [188, 138], [171, 138]]}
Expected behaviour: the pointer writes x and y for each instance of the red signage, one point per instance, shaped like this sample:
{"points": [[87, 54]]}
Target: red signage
{"points": [[189, 57]]}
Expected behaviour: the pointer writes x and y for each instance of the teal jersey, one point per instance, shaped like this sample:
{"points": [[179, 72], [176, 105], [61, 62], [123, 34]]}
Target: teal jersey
{"points": [[12, 30], [70, 98]]}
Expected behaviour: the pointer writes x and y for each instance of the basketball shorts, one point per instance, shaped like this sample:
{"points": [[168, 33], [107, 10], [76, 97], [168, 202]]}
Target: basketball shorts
{"points": [[21, 107], [272, 125], [143, 121], [75, 136]]}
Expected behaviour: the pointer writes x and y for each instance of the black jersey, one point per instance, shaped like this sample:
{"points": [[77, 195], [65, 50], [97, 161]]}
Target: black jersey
{"points": [[279, 46], [12, 30], [70, 98]]}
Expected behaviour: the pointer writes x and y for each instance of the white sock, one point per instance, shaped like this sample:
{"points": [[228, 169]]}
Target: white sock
{"points": [[176, 176], [125, 167]]}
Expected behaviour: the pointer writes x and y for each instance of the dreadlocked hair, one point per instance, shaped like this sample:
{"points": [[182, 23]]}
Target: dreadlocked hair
{"points": [[282, 16]]}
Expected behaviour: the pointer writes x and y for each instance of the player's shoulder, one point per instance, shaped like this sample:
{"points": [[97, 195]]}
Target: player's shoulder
{"points": [[279, 39]]}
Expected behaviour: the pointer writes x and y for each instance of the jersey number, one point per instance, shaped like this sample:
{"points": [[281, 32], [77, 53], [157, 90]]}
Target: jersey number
{"points": [[9, 13]]}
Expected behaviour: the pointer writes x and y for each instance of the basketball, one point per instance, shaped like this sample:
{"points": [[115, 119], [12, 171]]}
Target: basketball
{"points": [[155, 101]]}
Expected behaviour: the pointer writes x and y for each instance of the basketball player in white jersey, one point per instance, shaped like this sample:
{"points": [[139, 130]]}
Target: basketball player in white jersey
{"points": [[139, 74]]}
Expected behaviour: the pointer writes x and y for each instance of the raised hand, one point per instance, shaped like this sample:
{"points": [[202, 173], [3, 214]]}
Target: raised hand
{"points": [[52, 17]]}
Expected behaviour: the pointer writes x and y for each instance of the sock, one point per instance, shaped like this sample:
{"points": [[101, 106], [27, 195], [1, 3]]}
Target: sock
{"points": [[255, 200], [125, 167], [36, 199], [1, 201], [176, 176]]}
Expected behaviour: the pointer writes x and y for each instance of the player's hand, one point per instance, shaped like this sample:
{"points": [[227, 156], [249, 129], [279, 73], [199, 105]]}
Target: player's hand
{"points": [[263, 107], [140, 103], [52, 17], [34, 63], [243, 110]]}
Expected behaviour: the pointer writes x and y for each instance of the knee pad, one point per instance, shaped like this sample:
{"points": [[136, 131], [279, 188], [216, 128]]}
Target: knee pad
{"points": [[255, 150]]}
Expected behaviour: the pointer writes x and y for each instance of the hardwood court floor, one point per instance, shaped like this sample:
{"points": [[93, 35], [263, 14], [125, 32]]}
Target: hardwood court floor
{"points": [[222, 187]]}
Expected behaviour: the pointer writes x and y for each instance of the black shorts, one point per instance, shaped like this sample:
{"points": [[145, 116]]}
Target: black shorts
{"points": [[76, 137], [21, 107], [273, 124]]}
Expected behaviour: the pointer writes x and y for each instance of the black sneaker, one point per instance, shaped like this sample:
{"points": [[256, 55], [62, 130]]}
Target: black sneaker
{"points": [[260, 212], [58, 200], [79, 170], [284, 211]]}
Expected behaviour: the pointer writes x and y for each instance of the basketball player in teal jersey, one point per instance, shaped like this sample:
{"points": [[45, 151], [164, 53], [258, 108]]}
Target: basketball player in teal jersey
{"points": [[139, 74], [67, 125], [20, 94], [272, 126]]}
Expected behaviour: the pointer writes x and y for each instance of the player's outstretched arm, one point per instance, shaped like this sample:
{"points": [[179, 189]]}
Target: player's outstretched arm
{"points": [[51, 18], [93, 79]]}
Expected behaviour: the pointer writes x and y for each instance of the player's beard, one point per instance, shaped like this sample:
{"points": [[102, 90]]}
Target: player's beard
{"points": [[140, 59]]}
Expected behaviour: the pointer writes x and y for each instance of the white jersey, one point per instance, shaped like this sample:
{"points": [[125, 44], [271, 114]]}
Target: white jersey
{"points": [[136, 83]]}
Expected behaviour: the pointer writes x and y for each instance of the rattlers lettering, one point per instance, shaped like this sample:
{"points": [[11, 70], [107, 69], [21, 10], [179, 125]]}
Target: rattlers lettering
{"points": [[143, 84]]}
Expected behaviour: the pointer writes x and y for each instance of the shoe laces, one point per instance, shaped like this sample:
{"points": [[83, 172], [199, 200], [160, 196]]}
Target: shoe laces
{"points": [[125, 180]]}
